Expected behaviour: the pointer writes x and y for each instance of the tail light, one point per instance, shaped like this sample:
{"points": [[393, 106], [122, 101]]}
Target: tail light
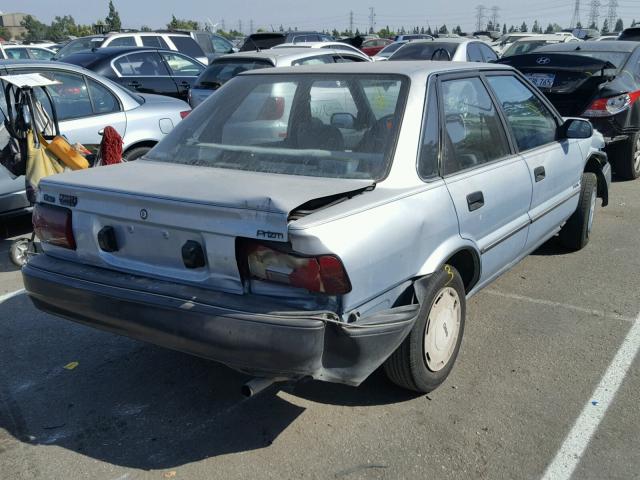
{"points": [[53, 225], [273, 109], [321, 274], [184, 114], [605, 107]]}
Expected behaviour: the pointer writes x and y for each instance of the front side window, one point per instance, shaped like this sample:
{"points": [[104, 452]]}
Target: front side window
{"points": [[473, 132], [128, 41], [182, 66], [41, 54], [70, 96], [531, 122], [473, 53], [311, 125]]}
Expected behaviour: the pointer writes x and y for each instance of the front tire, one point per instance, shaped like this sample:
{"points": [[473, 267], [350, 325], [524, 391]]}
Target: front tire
{"points": [[625, 158], [135, 153], [575, 234], [426, 357]]}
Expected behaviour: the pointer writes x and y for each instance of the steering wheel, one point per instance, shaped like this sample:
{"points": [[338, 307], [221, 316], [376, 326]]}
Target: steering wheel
{"points": [[439, 51]]}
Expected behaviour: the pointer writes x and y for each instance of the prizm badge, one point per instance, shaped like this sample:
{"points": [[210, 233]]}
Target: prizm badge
{"points": [[49, 198], [68, 200], [270, 235]]}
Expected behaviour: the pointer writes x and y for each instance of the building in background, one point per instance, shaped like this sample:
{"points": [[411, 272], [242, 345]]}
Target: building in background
{"points": [[13, 23]]}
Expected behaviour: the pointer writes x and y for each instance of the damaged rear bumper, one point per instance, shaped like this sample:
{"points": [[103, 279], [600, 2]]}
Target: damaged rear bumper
{"points": [[259, 339]]}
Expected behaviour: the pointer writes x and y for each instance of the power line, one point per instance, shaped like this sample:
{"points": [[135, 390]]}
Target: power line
{"points": [[372, 19], [594, 13], [251, 26], [612, 14], [495, 15], [575, 19], [351, 22], [480, 16], [240, 26]]}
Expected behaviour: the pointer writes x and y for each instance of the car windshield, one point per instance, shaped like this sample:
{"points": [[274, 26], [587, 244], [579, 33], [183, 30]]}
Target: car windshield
{"points": [[221, 71], [425, 51], [329, 125], [80, 44], [522, 47]]}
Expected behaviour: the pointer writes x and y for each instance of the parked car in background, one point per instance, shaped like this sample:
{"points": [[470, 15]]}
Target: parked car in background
{"points": [[630, 34], [178, 42], [25, 52], [225, 68], [412, 36], [260, 41], [505, 41], [326, 45], [373, 46], [212, 44], [595, 80], [389, 50], [529, 44], [144, 70], [443, 49], [86, 103], [606, 38], [297, 257]]}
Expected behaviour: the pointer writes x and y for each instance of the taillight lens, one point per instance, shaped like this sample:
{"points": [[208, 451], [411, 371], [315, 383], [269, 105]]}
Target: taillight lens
{"points": [[605, 107], [53, 225], [184, 114], [322, 274]]}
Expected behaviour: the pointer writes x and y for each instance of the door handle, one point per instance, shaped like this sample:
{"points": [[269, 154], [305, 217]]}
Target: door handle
{"points": [[539, 174], [475, 201]]}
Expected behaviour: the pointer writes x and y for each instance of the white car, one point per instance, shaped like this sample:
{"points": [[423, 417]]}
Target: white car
{"points": [[446, 49], [506, 40], [528, 44], [331, 45], [25, 52]]}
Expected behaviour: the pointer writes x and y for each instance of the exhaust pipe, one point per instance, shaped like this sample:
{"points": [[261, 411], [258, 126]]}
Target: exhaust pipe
{"points": [[257, 385]]}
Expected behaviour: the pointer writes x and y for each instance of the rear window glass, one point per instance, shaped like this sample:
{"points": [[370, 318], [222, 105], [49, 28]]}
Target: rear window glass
{"points": [[262, 41], [188, 46], [425, 51], [222, 71], [311, 125], [85, 43]]}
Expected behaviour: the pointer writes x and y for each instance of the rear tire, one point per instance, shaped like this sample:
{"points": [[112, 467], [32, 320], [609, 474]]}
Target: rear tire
{"points": [[576, 232], [426, 357], [134, 153], [18, 252], [625, 157]]}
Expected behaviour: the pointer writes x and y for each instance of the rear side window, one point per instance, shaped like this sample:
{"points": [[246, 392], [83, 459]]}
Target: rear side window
{"points": [[531, 122], [428, 161], [220, 45], [473, 132], [222, 71], [314, 60], [143, 64], [187, 45], [123, 42], [17, 53], [154, 41], [488, 53]]}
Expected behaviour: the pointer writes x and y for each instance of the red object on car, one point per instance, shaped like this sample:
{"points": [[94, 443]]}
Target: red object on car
{"points": [[373, 46]]}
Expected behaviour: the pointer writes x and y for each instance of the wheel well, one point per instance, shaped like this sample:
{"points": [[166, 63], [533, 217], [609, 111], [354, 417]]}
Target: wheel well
{"points": [[466, 262], [146, 143], [594, 166]]}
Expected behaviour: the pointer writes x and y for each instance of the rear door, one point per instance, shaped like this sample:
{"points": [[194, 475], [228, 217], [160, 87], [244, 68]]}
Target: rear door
{"points": [[488, 182], [145, 72], [555, 166], [184, 71]]}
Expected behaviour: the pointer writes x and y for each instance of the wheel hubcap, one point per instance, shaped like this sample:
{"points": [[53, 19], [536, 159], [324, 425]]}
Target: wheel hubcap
{"points": [[21, 252], [592, 209], [636, 155], [443, 328]]}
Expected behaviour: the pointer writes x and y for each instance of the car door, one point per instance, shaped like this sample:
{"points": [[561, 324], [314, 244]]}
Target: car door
{"points": [[488, 181], [555, 166], [83, 105], [144, 72], [184, 71]]}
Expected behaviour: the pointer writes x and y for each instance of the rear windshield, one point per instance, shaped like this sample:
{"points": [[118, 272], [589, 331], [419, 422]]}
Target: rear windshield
{"points": [[221, 71], [85, 43], [337, 126], [425, 51], [187, 45], [262, 41]]}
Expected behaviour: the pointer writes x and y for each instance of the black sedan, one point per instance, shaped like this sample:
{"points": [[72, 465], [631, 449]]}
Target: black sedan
{"points": [[144, 70], [596, 80]]}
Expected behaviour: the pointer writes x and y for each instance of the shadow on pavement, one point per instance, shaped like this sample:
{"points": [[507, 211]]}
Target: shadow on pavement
{"points": [[552, 247], [136, 405]]}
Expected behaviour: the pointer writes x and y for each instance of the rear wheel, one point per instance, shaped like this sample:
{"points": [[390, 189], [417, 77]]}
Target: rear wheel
{"points": [[576, 232], [18, 252], [625, 157], [134, 153], [426, 357]]}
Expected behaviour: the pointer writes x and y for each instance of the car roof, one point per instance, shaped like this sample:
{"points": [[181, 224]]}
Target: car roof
{"points": [[279, 54], [592, 46], [418, 71], [446, 40], [113, 51], [312, 45], [544, 37]]}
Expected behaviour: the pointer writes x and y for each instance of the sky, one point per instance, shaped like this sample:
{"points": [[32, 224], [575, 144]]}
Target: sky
{"points": [[323, 14]]}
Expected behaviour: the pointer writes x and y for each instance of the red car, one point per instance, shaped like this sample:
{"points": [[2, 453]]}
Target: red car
{"points": [[374, 45]]}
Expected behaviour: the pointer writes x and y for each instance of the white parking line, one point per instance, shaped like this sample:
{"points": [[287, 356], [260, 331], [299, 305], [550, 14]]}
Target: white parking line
{"points": [[576, 442], [549, 303], [7, 296]]}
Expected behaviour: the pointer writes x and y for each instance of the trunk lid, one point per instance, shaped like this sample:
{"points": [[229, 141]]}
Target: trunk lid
{"points": [[570, 82], [154, 208]]}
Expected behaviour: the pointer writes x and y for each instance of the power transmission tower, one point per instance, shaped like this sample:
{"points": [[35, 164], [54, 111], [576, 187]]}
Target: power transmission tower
{"points": [[594, 13], [351, 22], [575, 19], [480, 16], [612, 14], [240, 26], [495, 15], [251, 26], [223, 27], [372, 19]]}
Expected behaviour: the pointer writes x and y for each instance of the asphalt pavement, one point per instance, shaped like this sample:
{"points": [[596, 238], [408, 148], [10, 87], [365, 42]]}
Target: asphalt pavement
{"points": [[547, 382]]}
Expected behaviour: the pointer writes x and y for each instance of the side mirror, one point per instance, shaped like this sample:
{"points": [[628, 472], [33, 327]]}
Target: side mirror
{"points": [[576, 128], [343, 120]]}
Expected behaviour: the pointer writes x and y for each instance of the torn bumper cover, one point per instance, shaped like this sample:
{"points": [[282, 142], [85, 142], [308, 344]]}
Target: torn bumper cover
{"points": [[256, 339]]}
